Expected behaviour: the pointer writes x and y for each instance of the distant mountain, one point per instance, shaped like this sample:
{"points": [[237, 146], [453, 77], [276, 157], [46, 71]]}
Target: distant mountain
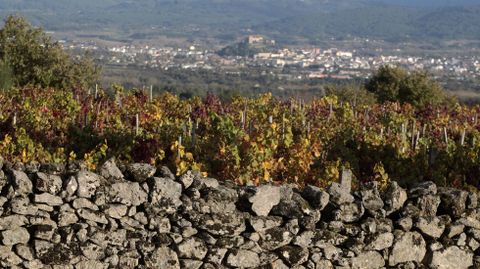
{"points": [[281, 19], [395, 23]]}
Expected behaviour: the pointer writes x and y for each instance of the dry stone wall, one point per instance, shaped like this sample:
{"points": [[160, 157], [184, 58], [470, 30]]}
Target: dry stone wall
{"points": [[140, 216]]}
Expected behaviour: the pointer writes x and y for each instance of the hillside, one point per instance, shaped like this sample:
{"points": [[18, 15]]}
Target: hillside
{"points": [[384, 22], [230, 19]]}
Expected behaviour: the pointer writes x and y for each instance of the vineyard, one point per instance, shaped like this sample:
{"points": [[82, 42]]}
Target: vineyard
{"points": [[247, 140]]}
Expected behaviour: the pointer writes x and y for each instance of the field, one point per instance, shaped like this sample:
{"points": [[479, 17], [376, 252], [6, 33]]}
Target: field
{"points": [[247, 140]]}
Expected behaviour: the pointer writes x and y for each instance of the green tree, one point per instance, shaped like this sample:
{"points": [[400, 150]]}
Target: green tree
{"points": [[395, 84], [5, 76], [386, 83], [35, 59]]}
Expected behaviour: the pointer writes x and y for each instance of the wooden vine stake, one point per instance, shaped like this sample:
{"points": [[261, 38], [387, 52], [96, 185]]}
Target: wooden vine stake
{"points": [[137, 124], [179, 145], [462, 137], [14, 122], [445, 134], [96, 91], [151, 92]]}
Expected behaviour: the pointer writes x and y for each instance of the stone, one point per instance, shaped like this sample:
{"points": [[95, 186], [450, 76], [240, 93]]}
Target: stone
{"points": [[127, 193], [8, 259], [316, 197], [116, 211], [84, 203], [409, 246], [91, 264], [165, 194], [453, 201], [242, 258], [275, 238], [18, 235], [22, 206], [293, 207], [264, 199], [190, 264], [454, 229], [349, 212], [380, 242], [192, 248], [24, 251], [451, 257], [293, 255], [92, 251], [340, 194], [110, 170], [430, 226], [21, 183], [370, 259], [49, 199], [88, 214], [371, 200], [48, 183], [12, 222], [88, 183], [428, 205], [163, 257], [261, 224], [71, 186], [405, 223], [186, 179], [66, 218], [422, 189], [140, 172]]}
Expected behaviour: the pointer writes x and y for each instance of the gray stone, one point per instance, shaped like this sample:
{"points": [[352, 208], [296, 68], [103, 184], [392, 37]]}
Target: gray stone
{"points": [[12, 222], [8, 259], [340, 194], [190, 264], [294, 255], [242, 258], [21, 183], [192, 248], [116, 211], [88, 214], [109, 170], [370, 259], [264, 199], [349, 212], [454, 229], [163, 257], [261, 224], [48, 183], [18, 235], [165, 195], [451, 257], [371, 200], [91, 264], [88, 183], [140, 172], [422, 189], [84, 203], [380, 242], [22, 206], [127, 193], [275, 238], [428, 205], [453, 201], [187, 178], [409, 246], [430, 226], [316, 197], [405, 223], [49, 199]]}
